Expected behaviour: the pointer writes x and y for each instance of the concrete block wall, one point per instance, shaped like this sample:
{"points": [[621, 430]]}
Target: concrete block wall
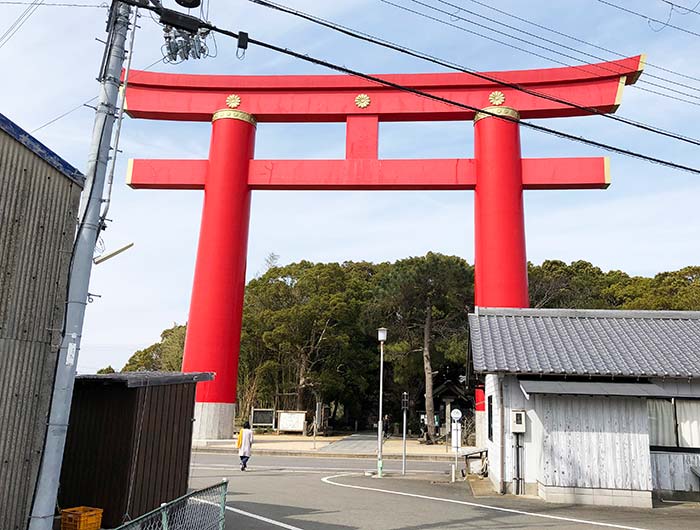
{"points": [[595, 496]]}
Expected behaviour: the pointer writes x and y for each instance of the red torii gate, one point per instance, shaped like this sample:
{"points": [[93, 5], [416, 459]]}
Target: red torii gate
{"points": [[497, 173]]}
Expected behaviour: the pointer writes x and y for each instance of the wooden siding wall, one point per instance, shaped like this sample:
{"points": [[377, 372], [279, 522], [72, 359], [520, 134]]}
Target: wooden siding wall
{"points": [[595, 442], [671, 471], [38, 206]]}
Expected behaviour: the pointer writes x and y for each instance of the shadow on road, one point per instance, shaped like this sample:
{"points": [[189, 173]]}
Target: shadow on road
{"points": [[280, 513]]}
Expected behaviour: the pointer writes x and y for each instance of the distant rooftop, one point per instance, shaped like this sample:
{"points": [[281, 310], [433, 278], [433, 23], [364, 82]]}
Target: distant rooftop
{"points": [[40, 150], [586, 342]]}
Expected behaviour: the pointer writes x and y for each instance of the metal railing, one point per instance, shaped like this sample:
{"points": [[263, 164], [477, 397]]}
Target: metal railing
{"points": [[199, 510]]}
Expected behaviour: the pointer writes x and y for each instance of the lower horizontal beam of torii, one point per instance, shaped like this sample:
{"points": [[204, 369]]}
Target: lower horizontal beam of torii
{"points": [[372, 174]]}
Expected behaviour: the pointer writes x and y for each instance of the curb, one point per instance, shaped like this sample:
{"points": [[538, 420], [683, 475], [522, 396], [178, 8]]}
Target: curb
{"points": [[317, 454]]}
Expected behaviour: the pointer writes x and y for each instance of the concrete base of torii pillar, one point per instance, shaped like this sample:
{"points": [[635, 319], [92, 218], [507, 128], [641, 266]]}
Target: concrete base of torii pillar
{"points": [[213, 421]]}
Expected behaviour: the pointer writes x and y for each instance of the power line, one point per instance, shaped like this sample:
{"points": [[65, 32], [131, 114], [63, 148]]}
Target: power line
{"points": [[19, 22], [83, 104], [18, 3], [413, 53], [433, 97], [60, 116], [555, 43], [683, 8], [581, 41], [513, 46], [425, 15], [648, 18], [540, 128]]}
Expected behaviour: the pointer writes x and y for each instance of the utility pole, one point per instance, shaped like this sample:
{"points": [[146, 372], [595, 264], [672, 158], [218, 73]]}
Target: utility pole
{"points": [[89, 226]]}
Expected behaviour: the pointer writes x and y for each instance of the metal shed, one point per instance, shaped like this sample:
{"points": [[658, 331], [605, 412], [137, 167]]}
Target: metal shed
{"points": [[129, 442], [39, 196]]}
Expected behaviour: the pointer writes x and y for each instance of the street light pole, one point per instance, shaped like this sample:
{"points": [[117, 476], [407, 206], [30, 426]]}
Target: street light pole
{"points": [[404, 406], [381, 335]]}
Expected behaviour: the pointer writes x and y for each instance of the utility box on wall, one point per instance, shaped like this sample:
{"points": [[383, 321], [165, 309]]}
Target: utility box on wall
{"points": [[517, 421], [129, 442]]}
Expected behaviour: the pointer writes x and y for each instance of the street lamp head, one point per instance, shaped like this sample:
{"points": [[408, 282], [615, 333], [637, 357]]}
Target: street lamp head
{"points": [[381, 334]]}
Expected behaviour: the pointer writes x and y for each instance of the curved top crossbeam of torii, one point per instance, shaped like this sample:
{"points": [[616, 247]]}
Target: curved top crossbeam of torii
{"points": [[331, 98], [594, 88]]}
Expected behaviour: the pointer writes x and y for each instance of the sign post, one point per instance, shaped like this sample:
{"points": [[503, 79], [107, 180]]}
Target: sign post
{"points": [[317, 416], [456, 436], [404, 407]]}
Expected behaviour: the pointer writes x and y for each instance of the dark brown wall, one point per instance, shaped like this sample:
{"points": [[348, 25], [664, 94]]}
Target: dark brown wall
{"points": [[163, 460], [128, 449]]}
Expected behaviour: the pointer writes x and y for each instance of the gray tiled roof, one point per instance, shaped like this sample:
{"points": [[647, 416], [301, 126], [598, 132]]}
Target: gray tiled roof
{"points": [[586, 342]]}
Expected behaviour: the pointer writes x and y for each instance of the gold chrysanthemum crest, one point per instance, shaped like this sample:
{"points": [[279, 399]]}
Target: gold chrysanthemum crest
{"points": [[233, 101], [497, 98], [362, 101]]}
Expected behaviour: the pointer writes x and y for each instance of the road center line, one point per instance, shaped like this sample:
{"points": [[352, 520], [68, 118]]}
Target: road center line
{"points": [[328, 480], [263, 519]]}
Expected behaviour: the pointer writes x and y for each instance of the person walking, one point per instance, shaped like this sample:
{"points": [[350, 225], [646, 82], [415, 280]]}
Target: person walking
{"points": [[245, 442]]}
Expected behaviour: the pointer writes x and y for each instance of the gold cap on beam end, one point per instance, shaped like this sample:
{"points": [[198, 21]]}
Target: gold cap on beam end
{"points": [[234, 114], [489, 112]]}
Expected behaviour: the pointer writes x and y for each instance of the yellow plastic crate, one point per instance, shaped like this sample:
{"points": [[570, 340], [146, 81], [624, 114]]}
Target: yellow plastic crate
{"points": [[81, 518]]}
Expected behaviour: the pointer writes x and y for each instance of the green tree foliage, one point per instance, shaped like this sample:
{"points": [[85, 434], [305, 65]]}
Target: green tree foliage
{"points": [[427, 301], [303, 338], [309, 329], [165, 355], [106, 370]]}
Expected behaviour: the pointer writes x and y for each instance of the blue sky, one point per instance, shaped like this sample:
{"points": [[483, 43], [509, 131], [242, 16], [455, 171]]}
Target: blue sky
{"points": [[646, 222]]}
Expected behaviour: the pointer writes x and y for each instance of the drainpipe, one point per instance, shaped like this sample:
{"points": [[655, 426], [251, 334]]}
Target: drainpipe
{"points": [[501, 481]]}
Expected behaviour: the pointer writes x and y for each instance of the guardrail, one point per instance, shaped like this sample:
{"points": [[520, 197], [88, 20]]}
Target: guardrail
{"points": [[199, 510]]}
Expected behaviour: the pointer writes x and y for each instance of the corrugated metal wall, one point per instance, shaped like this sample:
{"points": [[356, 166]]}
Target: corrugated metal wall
{"points": [[595, 442], [128, 449], [38, 205]]}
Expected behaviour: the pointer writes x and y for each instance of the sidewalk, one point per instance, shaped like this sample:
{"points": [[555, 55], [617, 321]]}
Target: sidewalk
{"points": [[351, 446]]}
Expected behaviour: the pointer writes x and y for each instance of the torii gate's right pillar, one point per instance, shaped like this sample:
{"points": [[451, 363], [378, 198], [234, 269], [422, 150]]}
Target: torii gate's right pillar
{"points": [[501, 261]]}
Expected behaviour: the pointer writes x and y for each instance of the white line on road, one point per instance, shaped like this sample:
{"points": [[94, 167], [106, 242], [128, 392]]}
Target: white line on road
{"points": [[328, 480], [310, 468], [263, 519]]}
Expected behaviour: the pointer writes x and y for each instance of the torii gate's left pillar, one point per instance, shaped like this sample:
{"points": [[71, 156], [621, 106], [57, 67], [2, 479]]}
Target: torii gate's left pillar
{"points": [[214, 325]]}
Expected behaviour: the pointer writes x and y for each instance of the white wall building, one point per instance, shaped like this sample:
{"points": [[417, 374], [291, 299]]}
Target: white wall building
{"points": [[610, 403]]}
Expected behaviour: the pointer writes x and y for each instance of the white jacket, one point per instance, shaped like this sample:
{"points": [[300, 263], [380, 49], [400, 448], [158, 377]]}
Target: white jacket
{"points": [[246, 443]]}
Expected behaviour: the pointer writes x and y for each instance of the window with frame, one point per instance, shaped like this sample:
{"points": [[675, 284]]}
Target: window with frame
{"points": [[489, 417], [674, 424]]}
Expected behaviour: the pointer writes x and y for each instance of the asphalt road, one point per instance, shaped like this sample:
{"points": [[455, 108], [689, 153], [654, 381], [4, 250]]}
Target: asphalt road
{"points": [[334, 494]]}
